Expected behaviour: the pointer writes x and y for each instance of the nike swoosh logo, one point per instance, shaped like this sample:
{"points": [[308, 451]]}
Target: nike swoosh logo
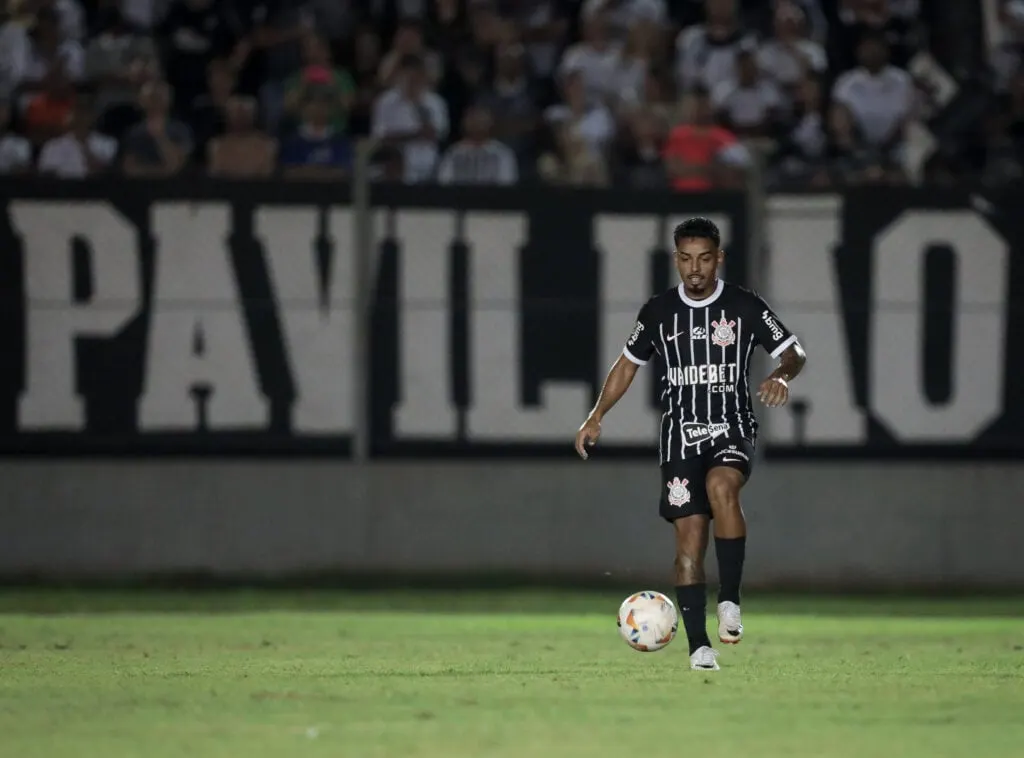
{"points": [[677, 334], [731, 460]]}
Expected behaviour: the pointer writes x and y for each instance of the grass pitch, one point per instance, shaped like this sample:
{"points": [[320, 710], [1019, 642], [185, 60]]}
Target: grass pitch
{"points": [[472, 675]]}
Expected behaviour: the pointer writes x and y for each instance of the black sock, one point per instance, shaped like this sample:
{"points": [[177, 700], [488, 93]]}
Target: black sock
{"points": [[693, 601], [731, 553]]}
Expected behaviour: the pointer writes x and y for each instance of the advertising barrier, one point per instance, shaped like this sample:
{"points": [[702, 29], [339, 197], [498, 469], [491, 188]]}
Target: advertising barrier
{"points": [[224, 318]]}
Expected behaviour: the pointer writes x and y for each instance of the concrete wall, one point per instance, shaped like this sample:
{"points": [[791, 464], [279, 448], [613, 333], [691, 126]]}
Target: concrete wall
{"points": [[855, 525]]}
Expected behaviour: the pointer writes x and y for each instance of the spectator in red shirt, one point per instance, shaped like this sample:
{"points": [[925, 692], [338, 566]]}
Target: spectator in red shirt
{"points": [[701, 156]]}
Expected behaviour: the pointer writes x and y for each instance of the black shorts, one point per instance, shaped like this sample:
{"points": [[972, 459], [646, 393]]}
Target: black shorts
{"points": [[682, 481]]}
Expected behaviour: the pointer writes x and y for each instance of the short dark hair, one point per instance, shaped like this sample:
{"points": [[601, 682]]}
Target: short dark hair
{"points": [[701, 227]]}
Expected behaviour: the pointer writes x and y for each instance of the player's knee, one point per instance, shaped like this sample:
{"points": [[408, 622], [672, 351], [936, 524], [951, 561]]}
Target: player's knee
{"points": [[689, 568], [723, 489]]}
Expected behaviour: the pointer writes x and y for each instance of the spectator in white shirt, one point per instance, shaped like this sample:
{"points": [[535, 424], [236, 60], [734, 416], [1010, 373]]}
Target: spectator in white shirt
{"points": [[477, 158], [408, 41], [706, 53], [596, 57], [413, 117], [15, 49], [589, 121], [642, 50], [15, 151], [79, 153], [118, 60], [750, 104], [878, 97], [50, 52], [790, 54], [622, 15]]}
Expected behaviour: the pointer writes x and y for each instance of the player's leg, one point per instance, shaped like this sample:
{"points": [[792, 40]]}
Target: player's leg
{"points": [[729, 470], [684, 504], [691, 587]]}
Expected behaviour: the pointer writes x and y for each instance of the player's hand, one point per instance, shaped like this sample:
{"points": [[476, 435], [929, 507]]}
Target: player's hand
{"points": [[774, 391], [587, 436]]}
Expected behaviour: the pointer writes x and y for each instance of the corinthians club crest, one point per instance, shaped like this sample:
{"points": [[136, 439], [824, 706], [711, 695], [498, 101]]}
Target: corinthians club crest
{"points": [[723, 335], [678, 495]]}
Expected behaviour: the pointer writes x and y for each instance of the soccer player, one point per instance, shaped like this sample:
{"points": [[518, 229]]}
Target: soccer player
{"points": [[701, 335]]}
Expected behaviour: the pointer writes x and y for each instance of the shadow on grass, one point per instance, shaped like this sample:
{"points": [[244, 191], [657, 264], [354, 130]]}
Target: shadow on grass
{"points": [[489, 595]]}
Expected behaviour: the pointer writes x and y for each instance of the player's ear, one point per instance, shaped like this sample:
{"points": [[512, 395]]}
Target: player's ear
{"points": [[721, 254]]}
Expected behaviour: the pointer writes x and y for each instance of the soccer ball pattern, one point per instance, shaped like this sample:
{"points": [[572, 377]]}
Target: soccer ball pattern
{"points": [[648, 621]]}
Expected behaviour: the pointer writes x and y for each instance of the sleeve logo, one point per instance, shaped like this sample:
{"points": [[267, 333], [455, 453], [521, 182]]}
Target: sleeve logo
{"points": [[773, 325], [636, 333]]}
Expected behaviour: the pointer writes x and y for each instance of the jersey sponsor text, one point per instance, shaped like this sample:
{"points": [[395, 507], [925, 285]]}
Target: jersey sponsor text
{"points": [[711, 374]]}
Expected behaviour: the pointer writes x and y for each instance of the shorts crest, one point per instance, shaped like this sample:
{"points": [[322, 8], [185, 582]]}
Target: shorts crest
{"points": [[678, 495]]}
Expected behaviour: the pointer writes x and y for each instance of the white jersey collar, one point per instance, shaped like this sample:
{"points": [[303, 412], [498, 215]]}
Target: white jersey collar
{"points": [[706, 301]]}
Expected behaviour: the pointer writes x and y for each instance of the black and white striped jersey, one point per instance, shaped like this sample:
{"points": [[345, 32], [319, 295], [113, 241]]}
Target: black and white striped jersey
{"points": [[702, 349]]}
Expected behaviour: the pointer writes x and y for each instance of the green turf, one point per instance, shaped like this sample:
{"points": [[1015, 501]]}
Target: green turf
{"points": [[246, 674]]}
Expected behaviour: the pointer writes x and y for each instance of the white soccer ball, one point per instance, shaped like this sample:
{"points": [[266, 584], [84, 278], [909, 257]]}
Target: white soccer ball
{"points": [[648, 621]]}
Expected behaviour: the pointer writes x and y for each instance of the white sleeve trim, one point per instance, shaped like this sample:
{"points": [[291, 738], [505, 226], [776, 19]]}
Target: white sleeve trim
{"points": [[778, 351], [632, 358]]}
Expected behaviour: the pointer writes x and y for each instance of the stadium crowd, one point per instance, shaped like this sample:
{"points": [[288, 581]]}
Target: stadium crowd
{"points": [[637, 93]]}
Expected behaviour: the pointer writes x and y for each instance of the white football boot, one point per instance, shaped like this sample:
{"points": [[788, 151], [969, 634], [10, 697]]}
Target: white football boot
{"points": [[704, 659], [730, 625]]}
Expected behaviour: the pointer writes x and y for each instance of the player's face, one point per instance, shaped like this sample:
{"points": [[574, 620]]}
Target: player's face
{"points": [[697, 260]]}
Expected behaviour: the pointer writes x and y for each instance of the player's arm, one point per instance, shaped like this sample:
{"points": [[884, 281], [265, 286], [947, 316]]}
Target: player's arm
{"points": [[774, 391], [620, 376], [791, 363], [782, 344], [638, 350]]}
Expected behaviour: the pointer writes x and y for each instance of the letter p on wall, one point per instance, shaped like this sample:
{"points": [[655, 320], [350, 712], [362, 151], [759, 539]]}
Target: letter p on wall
{"points": [[55, 320]]}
